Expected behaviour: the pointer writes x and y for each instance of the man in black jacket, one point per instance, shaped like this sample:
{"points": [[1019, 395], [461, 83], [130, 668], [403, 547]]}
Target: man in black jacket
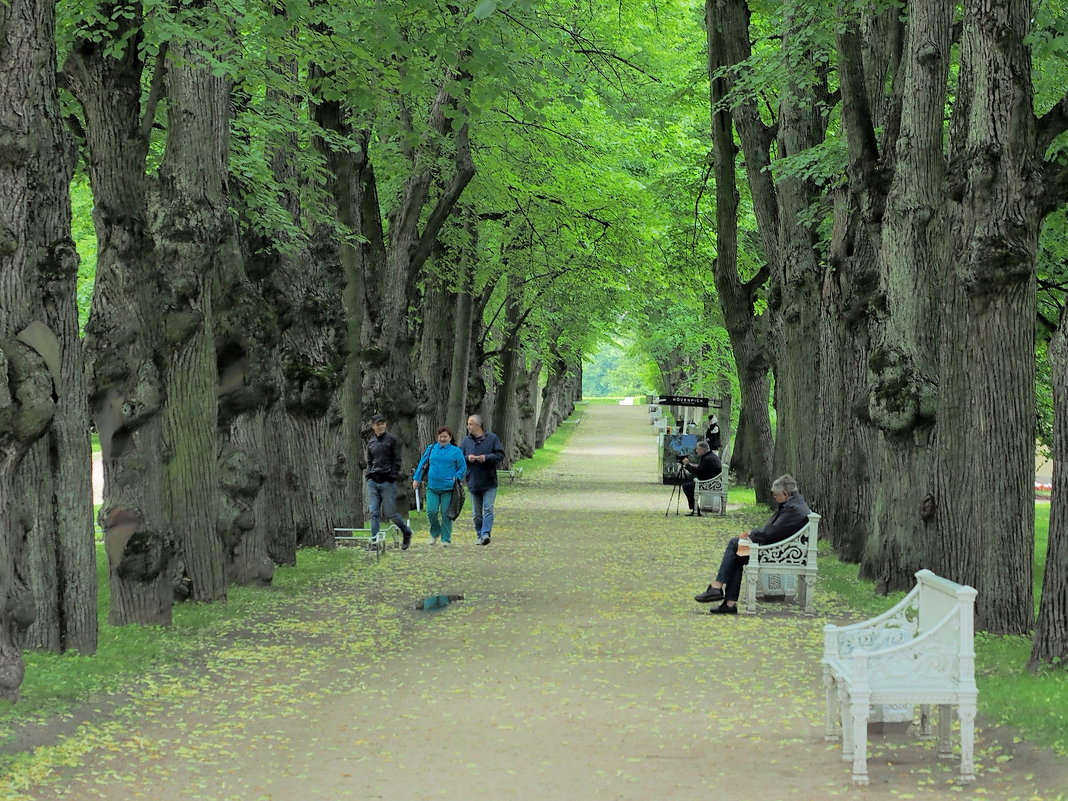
{"points": [[483, 451], [708, 466], [383, 470], [789, 518]]}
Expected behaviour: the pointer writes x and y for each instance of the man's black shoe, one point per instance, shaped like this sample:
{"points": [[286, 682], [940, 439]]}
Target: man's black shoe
{"points": [[710, 595], [693, 513], [723, 609], [406, 539]]}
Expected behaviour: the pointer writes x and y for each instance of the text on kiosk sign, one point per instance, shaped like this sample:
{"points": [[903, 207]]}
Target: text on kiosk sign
{"points": [[688, 400]]}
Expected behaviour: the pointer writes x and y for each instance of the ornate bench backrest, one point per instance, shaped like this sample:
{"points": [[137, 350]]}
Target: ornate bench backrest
{"points": [[797, 549]]}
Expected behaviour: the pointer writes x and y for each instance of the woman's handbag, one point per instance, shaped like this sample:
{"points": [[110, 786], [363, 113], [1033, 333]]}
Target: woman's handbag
{"points": [[426, 464], [456, 505]]}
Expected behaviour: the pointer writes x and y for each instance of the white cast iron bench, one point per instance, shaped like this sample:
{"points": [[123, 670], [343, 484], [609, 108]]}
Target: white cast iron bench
{"points": [[711, 493], [921, 651], [514, 474], [794, 556], [362, 538]]}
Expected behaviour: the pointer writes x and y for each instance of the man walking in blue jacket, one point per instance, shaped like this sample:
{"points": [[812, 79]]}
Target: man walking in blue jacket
{"points": [[483, 451]]}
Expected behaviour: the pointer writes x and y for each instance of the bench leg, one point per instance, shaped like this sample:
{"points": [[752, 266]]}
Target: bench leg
{"points": [[810, 593], [860, 739], [752, 577], [925, 721], [845, 708], [966, 710], [945, 747], [830, 715]]}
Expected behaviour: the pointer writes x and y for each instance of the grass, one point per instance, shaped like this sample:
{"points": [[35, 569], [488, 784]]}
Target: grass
{"points": [[54, 683]]}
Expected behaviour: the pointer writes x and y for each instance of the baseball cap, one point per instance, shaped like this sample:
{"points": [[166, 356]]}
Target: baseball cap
{"points": [[377, 418]]}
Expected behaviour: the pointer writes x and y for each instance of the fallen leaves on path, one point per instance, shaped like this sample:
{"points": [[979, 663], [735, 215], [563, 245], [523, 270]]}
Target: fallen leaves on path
{"points": [[578, 667]]}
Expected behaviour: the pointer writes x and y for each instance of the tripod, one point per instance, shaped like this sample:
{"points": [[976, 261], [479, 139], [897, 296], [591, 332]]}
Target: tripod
{"points": [[676, 491]]}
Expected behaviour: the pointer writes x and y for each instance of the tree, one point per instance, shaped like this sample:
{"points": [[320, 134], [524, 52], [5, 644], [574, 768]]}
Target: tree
{"points": [[53, 479], [123, 338]]}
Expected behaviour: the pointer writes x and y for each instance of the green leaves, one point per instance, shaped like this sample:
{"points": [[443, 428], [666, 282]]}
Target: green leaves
{"points": [[484, 9]]}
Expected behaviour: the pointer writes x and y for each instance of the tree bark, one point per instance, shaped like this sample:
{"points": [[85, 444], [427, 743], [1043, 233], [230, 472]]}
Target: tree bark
{"points": [[511, 358], [27, 383], [898, 199], [851, 276], [797, 272], [737, 298], [1050, 644], [352, 187], [122, 337], [986, 391], [55, 479], [192, 224]]}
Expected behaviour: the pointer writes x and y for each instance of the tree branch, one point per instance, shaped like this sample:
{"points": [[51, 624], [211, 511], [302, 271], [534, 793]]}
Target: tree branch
{"points": [[155, 92], [1055, 186], [461, 177], [856, 112], [1052, 124]]}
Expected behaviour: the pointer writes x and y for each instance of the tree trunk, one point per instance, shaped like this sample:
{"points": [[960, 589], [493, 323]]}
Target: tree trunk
{"points": [[549, 415], [26, 382], [1050, 646], [506, 411], [456, 408], [192, 224], [986, 391], [737, 299], [795, 298], [352, 186], [525, 430], [122, 337], [851, 275], [56, 479], [436, 346], [397, 262], [899, 202]]}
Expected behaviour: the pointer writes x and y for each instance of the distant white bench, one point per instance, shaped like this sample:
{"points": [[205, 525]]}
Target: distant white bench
{"points": [[513, 474], [794, 556], [711, 493], [921, 651], [388, 536]]}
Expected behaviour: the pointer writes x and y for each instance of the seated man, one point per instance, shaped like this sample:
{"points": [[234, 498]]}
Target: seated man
{"points": [[789, 518], [708, 466]]}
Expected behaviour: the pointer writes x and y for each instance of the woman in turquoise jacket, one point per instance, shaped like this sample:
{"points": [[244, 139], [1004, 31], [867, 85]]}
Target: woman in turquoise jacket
{"points": [[445, 464]]}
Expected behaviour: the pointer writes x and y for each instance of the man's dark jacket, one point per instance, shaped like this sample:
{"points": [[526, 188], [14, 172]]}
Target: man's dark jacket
{"points": [[383, 458], [709, 467], [482, 476], [788, 519]]}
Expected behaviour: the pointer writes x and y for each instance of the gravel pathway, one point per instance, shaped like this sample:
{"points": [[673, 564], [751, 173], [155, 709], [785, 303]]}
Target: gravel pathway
{"points": [[577, 667]]}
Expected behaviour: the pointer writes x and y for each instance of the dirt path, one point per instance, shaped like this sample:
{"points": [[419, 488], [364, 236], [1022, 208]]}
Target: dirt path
{"points": [[578, 667]]}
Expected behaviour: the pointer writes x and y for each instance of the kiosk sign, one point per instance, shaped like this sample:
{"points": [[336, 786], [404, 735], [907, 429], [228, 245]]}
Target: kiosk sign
{"points": [[689, 400]]}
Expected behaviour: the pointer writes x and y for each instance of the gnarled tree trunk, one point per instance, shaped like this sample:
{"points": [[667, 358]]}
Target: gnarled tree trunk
{"points": [[55, 476], [122, 337]]}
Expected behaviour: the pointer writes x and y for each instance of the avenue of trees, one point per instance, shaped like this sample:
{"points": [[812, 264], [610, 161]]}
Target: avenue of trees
{"points": [[846, 216], [303, 214]]}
